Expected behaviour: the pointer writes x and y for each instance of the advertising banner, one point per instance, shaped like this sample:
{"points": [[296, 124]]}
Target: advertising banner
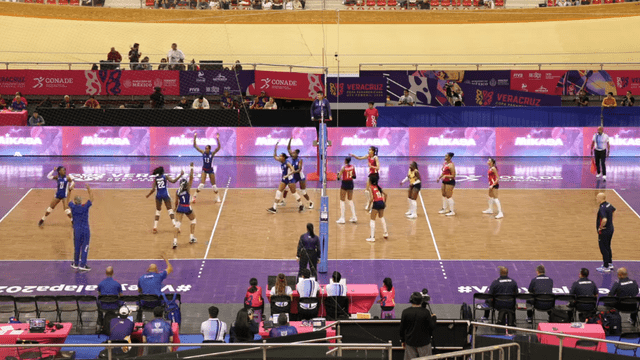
{"points": [[256, 141], [471, 141], [626, 80], [12, 81], [623, 141], [288, 85], [178, 141], [34, 141], [570, 82], [558, 141], [105, 141], [62, 82], [357, 90], [389, 141], [209, 82], [143, 82]]}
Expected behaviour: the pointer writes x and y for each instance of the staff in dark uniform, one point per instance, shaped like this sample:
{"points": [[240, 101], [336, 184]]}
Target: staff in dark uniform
{"points": [[541, 284], [308, 251], [626, 287], [604, 225], [583, 287], [504, 285]]}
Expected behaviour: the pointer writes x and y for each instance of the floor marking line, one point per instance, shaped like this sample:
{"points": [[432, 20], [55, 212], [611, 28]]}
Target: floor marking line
{"points": [[215, 226], [14, 206], [429, 224], [621, 198]]}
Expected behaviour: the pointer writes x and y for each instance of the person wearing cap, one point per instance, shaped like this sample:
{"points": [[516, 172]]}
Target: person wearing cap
{"points": [[283, 329], [417, 324], [121, 327], [200, 103]]}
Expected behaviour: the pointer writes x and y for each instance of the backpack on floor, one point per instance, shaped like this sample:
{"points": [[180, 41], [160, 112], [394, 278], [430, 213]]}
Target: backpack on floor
{"points": [[171, 309], [612, 322], [465, 312], [559, 316]]}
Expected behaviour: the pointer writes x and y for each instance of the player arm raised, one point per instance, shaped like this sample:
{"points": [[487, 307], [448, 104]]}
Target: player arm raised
{"points": [[219, 146], [153, 188], [90, 192], [289, 146], [195, 136], [275, 151], [51, 175], [191, 175], [358, 157], [173, 180]]}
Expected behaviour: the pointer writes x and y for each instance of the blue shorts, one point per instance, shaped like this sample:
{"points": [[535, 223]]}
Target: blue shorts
{"points": [[163, 198], [61, 195], [207, 171], [297, 178], [378, 205], [184, 210], [417, 186], [288, 181], [347, 185]]}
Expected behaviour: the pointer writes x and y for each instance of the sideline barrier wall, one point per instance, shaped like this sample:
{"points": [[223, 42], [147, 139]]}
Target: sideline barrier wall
{"points": [[251, 141]]}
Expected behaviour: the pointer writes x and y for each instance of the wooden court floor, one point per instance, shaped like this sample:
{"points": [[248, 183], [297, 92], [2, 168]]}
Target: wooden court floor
{"points": [[538, 224]]}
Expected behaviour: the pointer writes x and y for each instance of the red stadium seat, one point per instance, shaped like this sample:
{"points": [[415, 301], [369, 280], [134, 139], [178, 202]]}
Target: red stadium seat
{"points": [[371, 2], [63, 2], [392, 3], [446, 3], [28, 1], [435, 3], [39, 1], [608, 1], [149, 2], [551, 3], [467, 3], [476, 3], [619, 1], [455, 2], [51, 2], [499, 2], [382, 3], [596, 2]]}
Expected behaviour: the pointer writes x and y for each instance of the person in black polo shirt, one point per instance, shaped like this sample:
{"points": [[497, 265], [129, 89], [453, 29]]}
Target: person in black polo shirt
{"points": [[541, 284], [504, 285], [625, 287], [604, 225], [416, 326], [583, 287]]}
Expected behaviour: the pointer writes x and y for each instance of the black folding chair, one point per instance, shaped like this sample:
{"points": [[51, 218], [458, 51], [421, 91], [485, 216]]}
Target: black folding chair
{"points": [[586, 344], [147, 303], [308, 308], [87, 304], [46, 304], [487, 300], [631, 338], [280, 304], [336, 307], [25, 305], [30, 353], [628, 305], [68, 303], [585, 305], [505, 302], [7, 305], [542, 303], [608, 302]]}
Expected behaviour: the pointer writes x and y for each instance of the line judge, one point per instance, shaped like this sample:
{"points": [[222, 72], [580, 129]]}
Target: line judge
{"points": [[604, 225], [600, 148]]}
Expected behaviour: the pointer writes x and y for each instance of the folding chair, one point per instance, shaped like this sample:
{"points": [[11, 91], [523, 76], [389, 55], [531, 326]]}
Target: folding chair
{"points": [[25, 304], [488, 302], [29, 353], [280, 304], [585, 305], [542, 303], [147, 303], [608, 302], [46, 304], [635, 336], [336, 307], [628, 305], [586, 344], [87, 304], [68, 303], [7, 305], [309, 311]]}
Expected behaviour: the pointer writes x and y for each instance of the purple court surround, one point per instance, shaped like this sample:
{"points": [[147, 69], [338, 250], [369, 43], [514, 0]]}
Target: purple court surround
{"points": [[225, 281]]}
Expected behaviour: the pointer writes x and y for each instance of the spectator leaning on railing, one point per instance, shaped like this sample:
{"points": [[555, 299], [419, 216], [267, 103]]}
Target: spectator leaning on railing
{"points": [[36, 120], [3, 103], [92, 103], [134, 56], [66, 103], [200, 103], [175, 55], [114, 56], [628, 100], [609, 101]]}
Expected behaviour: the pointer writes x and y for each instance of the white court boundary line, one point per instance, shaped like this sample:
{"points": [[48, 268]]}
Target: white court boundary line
{"points": [[430, 229], [215, 226], [16, 205], [621, 198]]}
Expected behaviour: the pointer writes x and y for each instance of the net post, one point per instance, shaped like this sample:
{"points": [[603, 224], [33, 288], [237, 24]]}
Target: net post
{"points": [[324, 199]]}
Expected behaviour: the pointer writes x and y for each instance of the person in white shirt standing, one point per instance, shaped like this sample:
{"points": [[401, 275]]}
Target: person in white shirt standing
{"points": [[600, 148], [213, 329], [200, 103], [175, 55]]}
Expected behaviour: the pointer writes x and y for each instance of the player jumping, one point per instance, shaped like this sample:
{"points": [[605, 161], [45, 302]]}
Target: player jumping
{"points": [[183, 207], [207, 166], [64, 185]]}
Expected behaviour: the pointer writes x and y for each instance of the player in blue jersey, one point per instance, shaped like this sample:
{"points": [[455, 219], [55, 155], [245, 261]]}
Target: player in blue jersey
{"points": [[81, 233], [207, 166], [298, 175], [64, 185], [286, 180], [183, 207], [160, 184]]}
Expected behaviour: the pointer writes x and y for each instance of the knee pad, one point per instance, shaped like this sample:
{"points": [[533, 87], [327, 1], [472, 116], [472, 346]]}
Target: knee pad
{"points": [[278, 194], [303, 191], [201, 186], [296, 196], [158, 213], [170, 211], [178, 224], [193, 222], [68, 211], [215, 188], [49, 209]]}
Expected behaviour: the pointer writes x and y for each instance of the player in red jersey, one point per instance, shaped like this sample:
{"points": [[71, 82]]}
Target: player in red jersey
{"points": [[387, 299], [347, 174], [374, 167], [378, 204], [494, 185], [448, 178], [371, 115]]}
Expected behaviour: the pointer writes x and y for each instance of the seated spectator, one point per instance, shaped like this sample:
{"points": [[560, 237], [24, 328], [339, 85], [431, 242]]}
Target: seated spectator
{"points": [[17, 104], [163, 64], [36, 120], [406, 99], [388, 102], [307, 288], [46, 103], [158, 3], [335, 288], [175, 55], [244, 328], [271, 105], [609, 101], [237, 67], [263, 98], [225, 4], [157, 331], [245, 3], [281, 288], [626, 287], [257, 4], [3, 103], [541, 284], [114, 56], [22, 98], [503, 285], [200, 103], [628, 100], [297, 5], [157, 98], [183, 104], [144, 64], [134, 56], [121, 327], [213, 329], [255, 104], [283, 329], [108, 286], [66, 103], [92, 103], [214, 5], [193, 66], [253, 298], [226, 101], [387, 299], [582, 99], [288, 5], [267, 4]]}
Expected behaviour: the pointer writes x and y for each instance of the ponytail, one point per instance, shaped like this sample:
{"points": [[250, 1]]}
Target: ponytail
{"points": [[310, 230]]}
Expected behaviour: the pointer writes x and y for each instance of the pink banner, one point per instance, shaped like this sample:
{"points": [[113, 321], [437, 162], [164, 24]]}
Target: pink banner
{"points": [[623, 141], [35, 141], [469, 141], [106, 141], [389, 141], [570, 82], [178, 141], [626, 80], [261, 141], [12, 81], [287, 85], [558, 141], [541, 82]]}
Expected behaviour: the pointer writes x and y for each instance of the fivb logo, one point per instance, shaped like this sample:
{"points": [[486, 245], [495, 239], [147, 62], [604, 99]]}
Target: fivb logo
{"points": [[182, 140], [617, 140], [529, 141], [442, 141], [104, 141], [9, 140], [357, 141], [272, 141]]}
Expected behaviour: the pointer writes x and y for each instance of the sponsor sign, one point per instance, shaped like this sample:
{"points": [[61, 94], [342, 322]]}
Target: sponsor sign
{"points": [[357, 90], [209, 82], [623, 141], [143, 82], [626, 80], [461, 141], [389, 141], [288, 85], [177, 141], [100, 141], [262, 141], [78, 289], [466, 289], [558, 141], [570, 82], [37, 140], [12, 81]]}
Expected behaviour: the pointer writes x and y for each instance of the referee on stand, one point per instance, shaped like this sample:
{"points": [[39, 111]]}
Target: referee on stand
{"points": [[600, 148], [604, 224]]}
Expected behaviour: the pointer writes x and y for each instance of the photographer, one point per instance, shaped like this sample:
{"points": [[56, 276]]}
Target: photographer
{"points": [[406, 99], [416, 326]]}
